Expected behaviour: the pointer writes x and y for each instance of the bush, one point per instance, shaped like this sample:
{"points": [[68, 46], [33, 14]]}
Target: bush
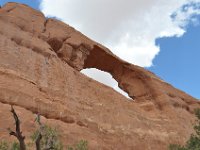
{"points": [[5, 146], [82, 145], [50, 138], [176, 147], [44, 138], [15, 146], [194, 141]]}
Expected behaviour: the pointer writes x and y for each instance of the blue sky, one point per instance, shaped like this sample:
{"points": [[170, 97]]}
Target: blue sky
{"points": [[32, 3], [175, 50], [179, 61]]}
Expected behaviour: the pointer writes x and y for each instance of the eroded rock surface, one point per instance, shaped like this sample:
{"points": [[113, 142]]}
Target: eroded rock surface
{"points": [[40, 63]]}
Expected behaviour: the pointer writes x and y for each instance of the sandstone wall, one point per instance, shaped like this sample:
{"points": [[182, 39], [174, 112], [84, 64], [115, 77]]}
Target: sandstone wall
{"points": [[40, 63]]}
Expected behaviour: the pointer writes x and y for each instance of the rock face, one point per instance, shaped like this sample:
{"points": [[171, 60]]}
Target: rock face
{"points": [[40, 64]]}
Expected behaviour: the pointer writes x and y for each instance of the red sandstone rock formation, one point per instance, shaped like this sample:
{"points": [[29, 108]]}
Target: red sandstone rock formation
{"points": [[40, 63]]}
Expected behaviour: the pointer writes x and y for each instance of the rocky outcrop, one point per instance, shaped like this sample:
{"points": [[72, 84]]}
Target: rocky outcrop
{"points": [[40, 64]]}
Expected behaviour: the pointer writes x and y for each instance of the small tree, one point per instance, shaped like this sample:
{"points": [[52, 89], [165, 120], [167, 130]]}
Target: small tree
{"points": [[17, 133], [46, 138]]}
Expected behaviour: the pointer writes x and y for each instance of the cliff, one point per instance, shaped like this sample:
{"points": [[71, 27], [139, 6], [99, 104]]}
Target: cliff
{"points": [[40, 64]]}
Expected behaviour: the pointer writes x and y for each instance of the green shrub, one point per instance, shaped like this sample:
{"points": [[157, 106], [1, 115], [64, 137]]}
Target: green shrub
{"points": [[194, 141], [50, 138], [82, 145], [176, 147], [15, 146], [44, 138], [5, 146]]}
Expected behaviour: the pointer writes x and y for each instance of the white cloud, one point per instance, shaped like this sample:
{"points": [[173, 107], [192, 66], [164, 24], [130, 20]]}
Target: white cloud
{"points": [[128, 27], [187, 14]]}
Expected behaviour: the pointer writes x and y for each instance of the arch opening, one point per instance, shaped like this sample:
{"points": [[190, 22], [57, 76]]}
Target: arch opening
{"points": [[105, 78]]}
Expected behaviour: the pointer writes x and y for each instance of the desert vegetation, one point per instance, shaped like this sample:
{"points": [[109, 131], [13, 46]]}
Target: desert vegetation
{"points": [[43, 138], [193, 142]]}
